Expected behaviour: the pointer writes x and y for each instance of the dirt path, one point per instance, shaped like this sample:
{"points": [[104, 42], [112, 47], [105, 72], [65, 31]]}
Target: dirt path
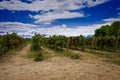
{"points": [[18, 58], [57, 68]]}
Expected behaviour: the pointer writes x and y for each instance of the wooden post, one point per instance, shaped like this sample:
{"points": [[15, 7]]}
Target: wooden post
{"points": [[68, 43], [92, 44]]}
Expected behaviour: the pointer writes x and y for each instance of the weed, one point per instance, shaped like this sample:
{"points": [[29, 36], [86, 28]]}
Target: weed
{"points": [[39, 57], [112, 57], [75, 56]]}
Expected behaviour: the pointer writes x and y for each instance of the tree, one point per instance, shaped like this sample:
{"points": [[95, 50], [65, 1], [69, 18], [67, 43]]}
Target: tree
{"points": [[107, 35]]}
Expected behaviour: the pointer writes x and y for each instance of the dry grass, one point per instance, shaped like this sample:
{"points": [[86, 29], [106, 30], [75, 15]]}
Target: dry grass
{"points": [[111, 57]]}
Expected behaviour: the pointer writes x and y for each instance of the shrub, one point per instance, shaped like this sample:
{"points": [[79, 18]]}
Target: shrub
{"points": [[36, 42], [39, 57], [75, 56]]}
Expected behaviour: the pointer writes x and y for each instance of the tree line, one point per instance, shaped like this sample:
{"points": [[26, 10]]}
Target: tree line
{"points": [[107, 37]]}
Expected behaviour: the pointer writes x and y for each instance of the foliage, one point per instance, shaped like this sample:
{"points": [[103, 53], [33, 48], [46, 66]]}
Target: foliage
{"points": [[81, 42], [36, 42], [77, 42], [9, 42], [68, 53], [111, 57], [39, 57], [57, 42], [108, 37], [75, 56]]}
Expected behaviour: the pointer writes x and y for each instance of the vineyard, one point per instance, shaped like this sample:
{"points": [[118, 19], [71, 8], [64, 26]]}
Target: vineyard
{"points": [[62, 58], [106, 38], [9, 42]]}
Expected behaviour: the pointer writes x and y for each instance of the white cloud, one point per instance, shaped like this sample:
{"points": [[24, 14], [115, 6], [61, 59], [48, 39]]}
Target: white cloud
{"points": [[46, 5], [111, 19], [18, 27], [15, 26], [92, 3], [51, 16], [28, 30], [118, 8], [65, 30], [61, 8]]}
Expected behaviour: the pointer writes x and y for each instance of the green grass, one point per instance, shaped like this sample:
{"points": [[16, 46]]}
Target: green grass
{"points": [[68, 53], [11, 52], [111, 57], [39, 55], [30, 55], [48, 53], [75, 56]]}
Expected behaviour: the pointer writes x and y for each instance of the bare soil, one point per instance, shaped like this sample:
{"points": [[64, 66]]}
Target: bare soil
{"points": [[88, 67]]}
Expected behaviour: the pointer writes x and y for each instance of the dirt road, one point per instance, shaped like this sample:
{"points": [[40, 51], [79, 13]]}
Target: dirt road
{"points": [[57, 68]]}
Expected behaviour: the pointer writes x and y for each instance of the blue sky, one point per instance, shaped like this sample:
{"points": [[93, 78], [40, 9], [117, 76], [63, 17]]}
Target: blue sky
{"points": [[57, 17]]}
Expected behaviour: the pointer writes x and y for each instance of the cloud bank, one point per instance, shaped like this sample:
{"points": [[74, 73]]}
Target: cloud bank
{"points": [[28, 30]]}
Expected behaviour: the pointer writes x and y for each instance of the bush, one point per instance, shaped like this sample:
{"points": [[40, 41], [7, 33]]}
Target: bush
{"points": [[39, 57], [75, 56], [36, 42], [9, 42]]}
